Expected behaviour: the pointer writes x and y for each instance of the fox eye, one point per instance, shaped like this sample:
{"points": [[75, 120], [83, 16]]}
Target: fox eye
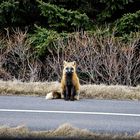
{"points": [[71, 69], [67, 68]]}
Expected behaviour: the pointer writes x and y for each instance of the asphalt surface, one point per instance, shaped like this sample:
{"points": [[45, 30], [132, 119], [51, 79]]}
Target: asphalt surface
{"points": [[37, 113]]}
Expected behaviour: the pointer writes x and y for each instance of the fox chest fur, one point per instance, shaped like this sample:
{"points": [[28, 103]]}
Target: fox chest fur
{"points": [[70, 81]]}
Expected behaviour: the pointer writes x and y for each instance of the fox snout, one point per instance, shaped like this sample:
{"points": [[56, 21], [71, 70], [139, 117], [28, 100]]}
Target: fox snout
{"points": [[69, 70]]}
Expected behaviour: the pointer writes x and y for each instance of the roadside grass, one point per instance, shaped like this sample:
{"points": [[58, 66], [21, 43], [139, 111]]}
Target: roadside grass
{"points": [[87, 91], [63, 131], [17, 87], [111, 92]]}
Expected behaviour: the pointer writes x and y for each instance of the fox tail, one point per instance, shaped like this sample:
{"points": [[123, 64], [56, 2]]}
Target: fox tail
{"points": [[53, 95]]}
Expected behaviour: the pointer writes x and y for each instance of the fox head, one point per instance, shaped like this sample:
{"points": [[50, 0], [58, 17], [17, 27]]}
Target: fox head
{"points": [[69, 67]]}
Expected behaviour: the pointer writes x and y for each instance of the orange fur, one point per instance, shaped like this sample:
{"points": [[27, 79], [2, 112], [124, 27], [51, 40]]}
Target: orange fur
{"points": [[75, 79]]}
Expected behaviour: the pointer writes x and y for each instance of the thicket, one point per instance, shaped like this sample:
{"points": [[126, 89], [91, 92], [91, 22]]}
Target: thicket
{"points": [[101, 58], [52, 13], [37, 35], [69, 16], [128, 23]]}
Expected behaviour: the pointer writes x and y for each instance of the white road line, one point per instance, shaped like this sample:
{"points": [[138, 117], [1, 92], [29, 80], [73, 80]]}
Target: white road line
{"points": [[70, 112]]}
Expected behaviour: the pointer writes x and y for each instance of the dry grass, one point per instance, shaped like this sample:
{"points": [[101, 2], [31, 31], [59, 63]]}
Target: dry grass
{"points": [[87, 91], [110, 92], [17, 87], [63, 131]]}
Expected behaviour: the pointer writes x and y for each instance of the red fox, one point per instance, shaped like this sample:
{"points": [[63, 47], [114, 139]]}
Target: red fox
{"points": [[70, 86]]}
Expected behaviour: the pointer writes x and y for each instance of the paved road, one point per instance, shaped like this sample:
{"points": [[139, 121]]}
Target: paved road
{"points": [[95, 115]]}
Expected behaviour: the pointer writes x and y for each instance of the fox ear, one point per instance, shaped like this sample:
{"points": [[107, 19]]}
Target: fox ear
{"points": [[74, 63], [64, 62]]}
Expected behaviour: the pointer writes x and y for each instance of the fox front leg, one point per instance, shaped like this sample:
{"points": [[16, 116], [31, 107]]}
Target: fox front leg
{"points": [[73, 93], [67, 97]]}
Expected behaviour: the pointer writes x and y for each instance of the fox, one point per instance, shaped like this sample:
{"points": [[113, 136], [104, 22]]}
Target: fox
{"points": [[70, 85]]}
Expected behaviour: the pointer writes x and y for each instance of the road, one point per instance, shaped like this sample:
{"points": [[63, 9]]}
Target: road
{"points": [[37, 113]]}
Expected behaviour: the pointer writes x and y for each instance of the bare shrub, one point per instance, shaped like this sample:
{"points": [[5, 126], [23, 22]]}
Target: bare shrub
{"points": [[100, 58], [18, 58], [4, 75]]}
